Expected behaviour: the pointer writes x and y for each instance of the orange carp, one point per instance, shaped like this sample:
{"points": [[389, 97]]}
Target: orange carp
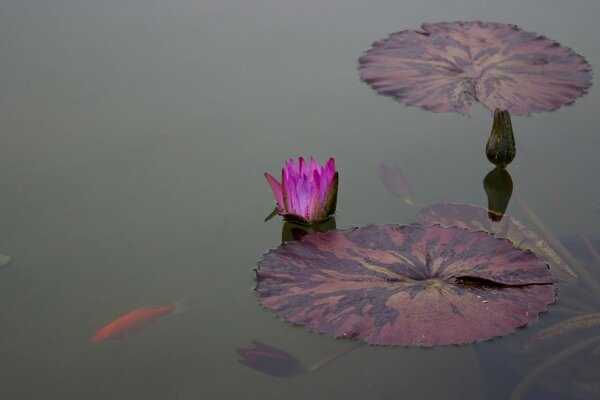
{"points": [[132, 322]]}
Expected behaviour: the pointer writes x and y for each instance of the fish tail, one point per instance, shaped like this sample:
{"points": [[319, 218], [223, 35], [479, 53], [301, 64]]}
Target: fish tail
{"points": [[181, 305]]}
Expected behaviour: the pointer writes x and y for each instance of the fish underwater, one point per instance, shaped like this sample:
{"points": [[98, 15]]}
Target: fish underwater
{"points": [[134, 321]]}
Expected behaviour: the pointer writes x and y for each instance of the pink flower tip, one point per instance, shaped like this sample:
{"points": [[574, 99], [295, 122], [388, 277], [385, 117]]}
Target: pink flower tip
{"points": [[307, 192]]}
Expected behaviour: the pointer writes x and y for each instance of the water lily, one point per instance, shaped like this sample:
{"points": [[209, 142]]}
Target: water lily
{"points": [[270, 360], [307, 192]]}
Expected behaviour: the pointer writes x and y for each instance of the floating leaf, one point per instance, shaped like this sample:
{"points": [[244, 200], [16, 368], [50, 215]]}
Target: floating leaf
{"points": [[564, 328], [448, 66], [405, 285], [476, 219]]}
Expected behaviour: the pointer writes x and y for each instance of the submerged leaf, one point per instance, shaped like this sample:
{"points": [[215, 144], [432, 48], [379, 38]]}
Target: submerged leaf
{"points": [[448, 66], [476, 219], [405, 285], [564, 328], [270, 360], [394, 180]]}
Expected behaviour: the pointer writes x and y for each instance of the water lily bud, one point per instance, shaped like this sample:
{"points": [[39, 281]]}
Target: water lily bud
{"points": [[307, 192], [500, 148]]}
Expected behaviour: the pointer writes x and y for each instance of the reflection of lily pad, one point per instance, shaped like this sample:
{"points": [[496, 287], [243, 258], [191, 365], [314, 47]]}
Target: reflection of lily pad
{"points": [[405, 285], [476, 219], [448, 66], [4, 259]]}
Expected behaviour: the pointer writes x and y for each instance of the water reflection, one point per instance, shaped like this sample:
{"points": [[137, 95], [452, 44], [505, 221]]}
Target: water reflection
{"points": [[295, 231], [498, 186]]}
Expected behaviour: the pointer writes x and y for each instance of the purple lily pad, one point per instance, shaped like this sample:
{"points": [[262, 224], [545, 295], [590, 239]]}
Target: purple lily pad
{"points": [[448, 66], [476, 219], [405, 285]]}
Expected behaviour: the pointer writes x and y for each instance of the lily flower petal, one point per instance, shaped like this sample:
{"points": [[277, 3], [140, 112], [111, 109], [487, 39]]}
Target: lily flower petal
{"points": [[307, 192], [276, 187]]}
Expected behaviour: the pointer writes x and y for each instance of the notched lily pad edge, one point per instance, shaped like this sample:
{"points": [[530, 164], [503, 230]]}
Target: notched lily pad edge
{"points": [[555, 280], [353, 337], [421, 30]]}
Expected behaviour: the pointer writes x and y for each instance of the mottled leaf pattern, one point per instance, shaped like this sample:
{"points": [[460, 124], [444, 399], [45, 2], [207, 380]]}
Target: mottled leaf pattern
{"points": [[405, 285], [448, 66], [476, 219]]}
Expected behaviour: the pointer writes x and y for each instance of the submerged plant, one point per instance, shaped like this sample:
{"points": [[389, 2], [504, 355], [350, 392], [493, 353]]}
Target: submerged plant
{"points": [[270, 360], [281, 364], [307, 192], [395, 182], [566, 327]]}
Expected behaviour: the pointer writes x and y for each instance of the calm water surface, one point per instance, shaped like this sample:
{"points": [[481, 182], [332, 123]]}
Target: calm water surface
{"points": [[133, 140]]}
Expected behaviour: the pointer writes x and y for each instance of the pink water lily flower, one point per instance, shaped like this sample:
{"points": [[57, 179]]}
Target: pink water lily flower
{"points": [[307, 192]]}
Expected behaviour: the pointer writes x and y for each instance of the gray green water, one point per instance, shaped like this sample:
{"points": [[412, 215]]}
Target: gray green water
{"points": [[133, 140]]}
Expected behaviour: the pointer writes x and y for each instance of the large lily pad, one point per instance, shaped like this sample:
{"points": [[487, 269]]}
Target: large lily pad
{"points": [[405, 285], [476, 219], [448, 66]]}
